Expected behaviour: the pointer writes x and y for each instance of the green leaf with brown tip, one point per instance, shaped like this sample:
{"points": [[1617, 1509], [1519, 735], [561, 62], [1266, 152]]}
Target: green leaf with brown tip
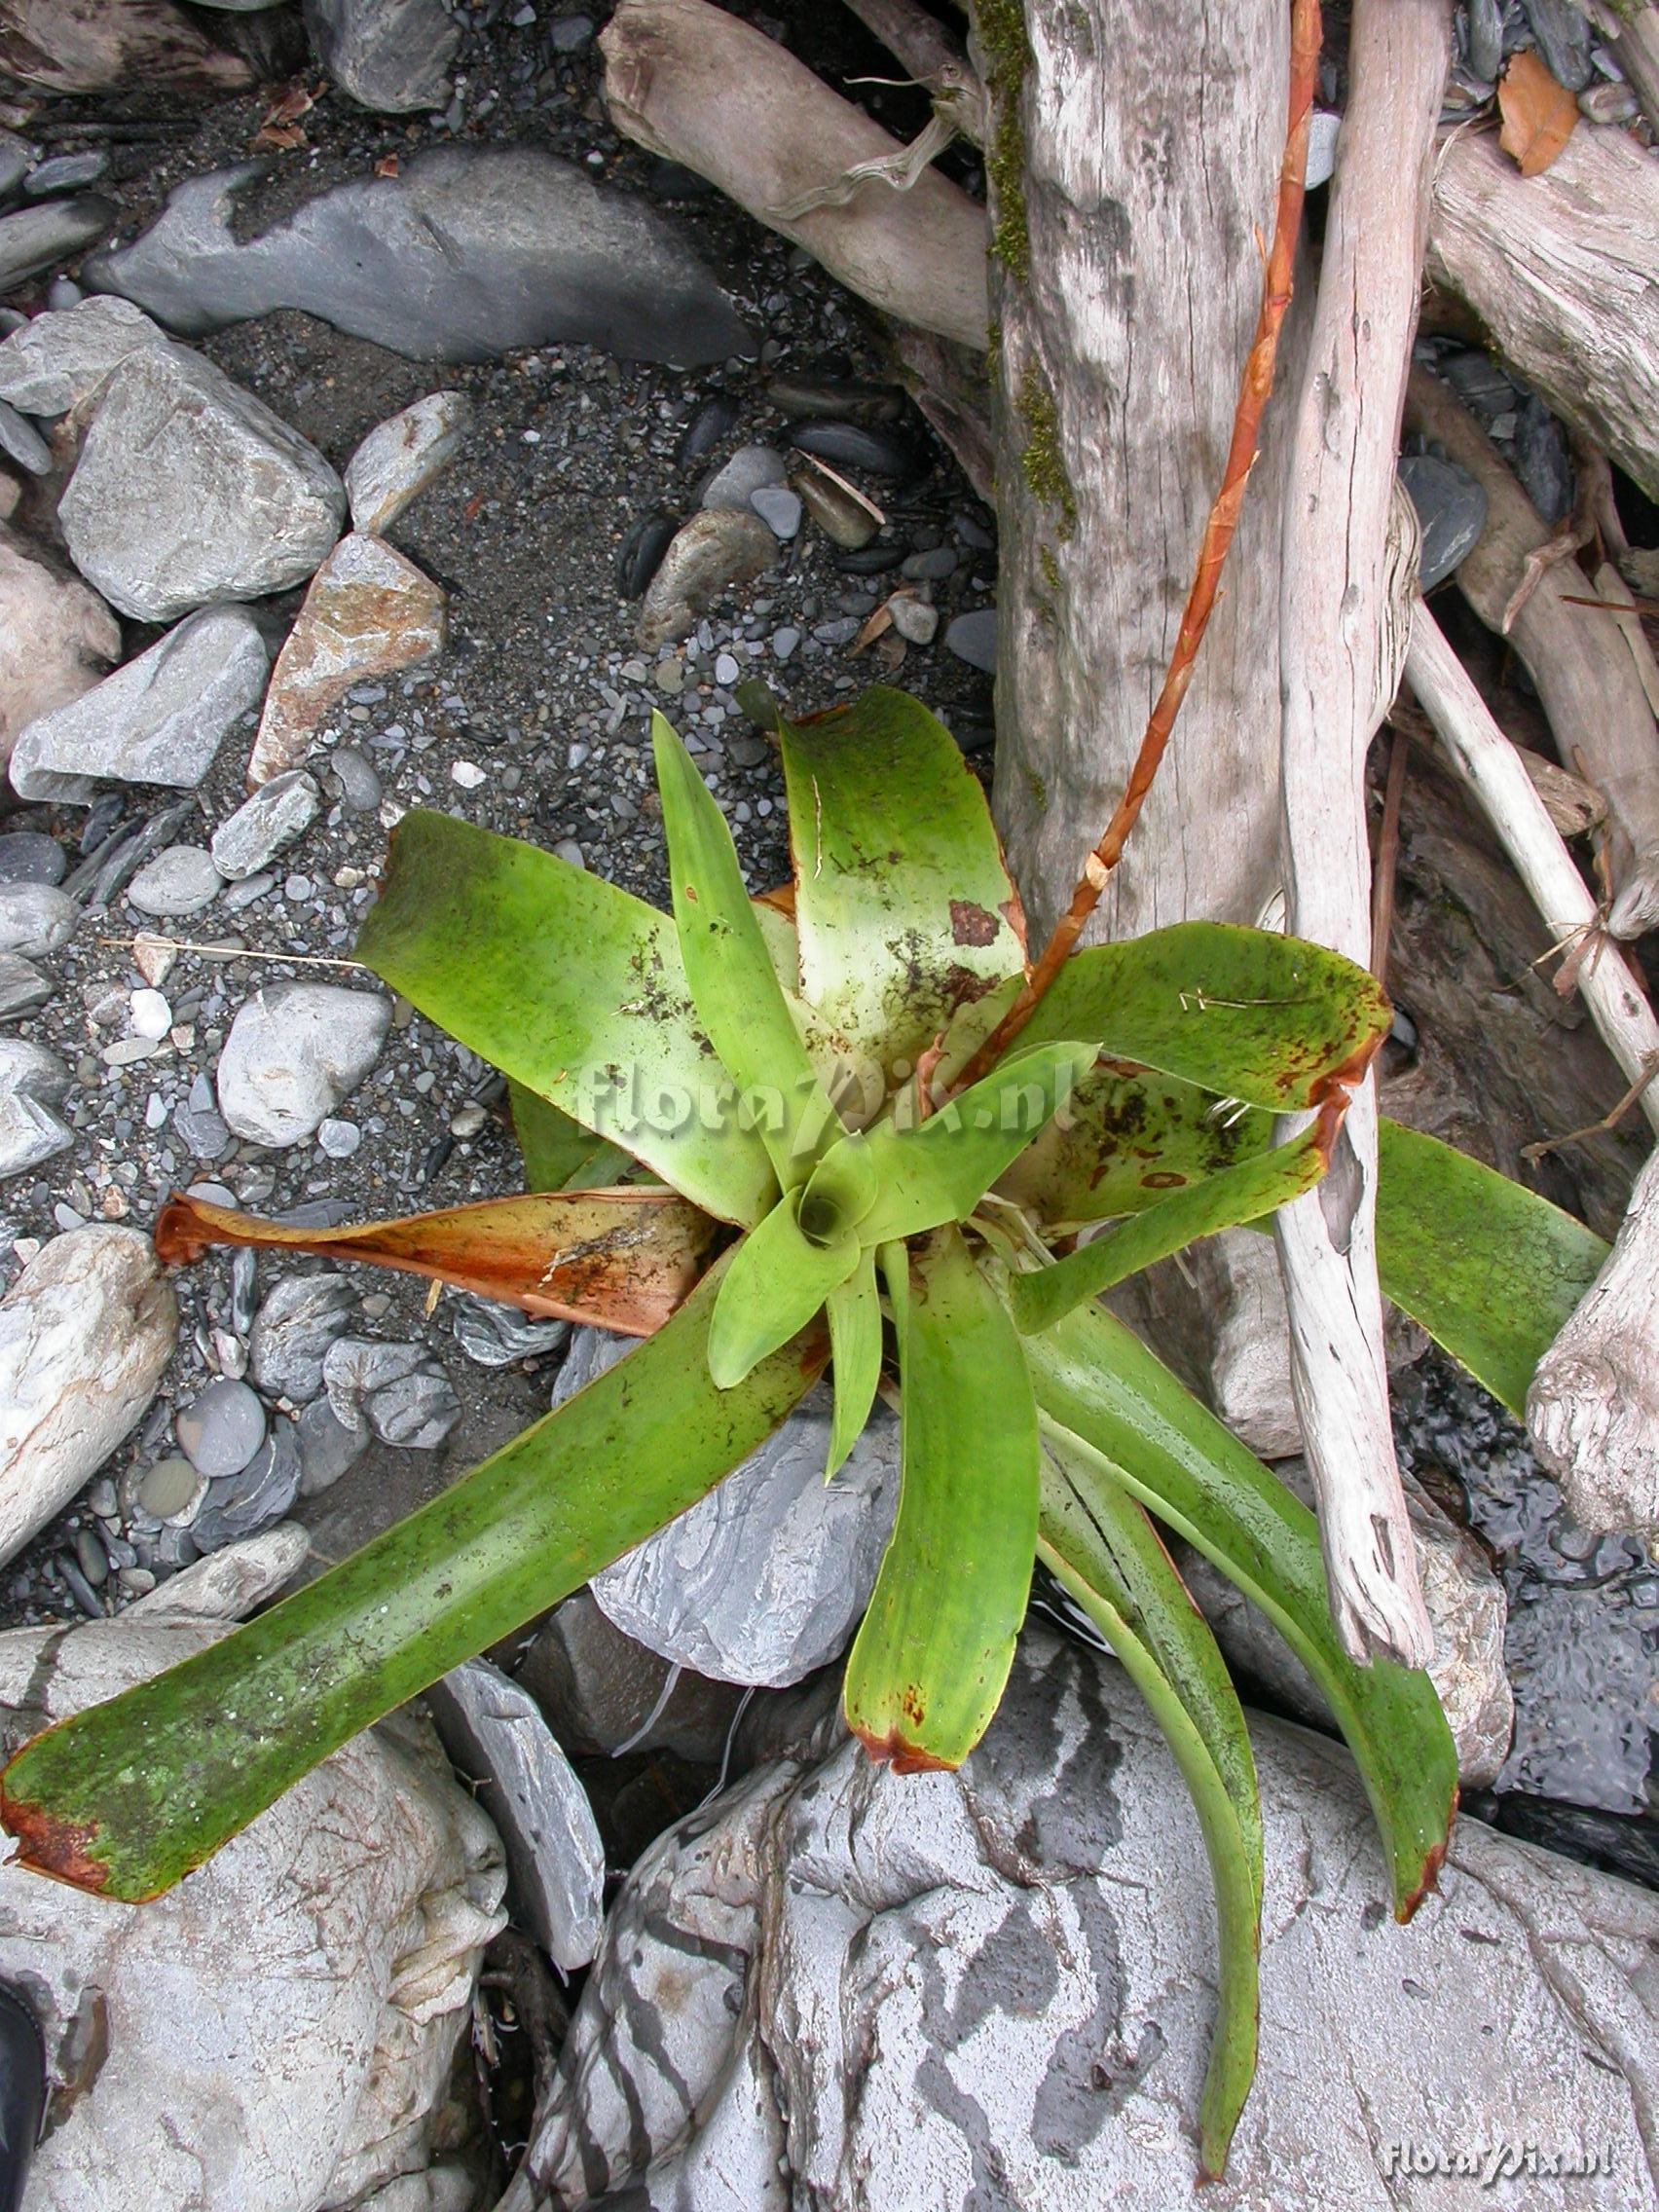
{"points": [[127, 1796], [730, 969], [1244, 1013], [1108, 1558], [1238, 1194], [904, 905], [854, 1308], [1492, 1270], [1096, 1378], [930, 1660], [775, 1283], [574, 990]]}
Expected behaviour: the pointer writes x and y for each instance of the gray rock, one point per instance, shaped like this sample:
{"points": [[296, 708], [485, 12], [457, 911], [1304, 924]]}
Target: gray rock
{"points": [[221, 1429], [497, 1739], [57, 638], [190, 490], [777, 508], [282, 2026], [82, 49], [36, 919], [30, 855], [398, 459], [277, 813], [495, 1335], [604, 1693], [750, 469], [972, 638], [914, 619], [399, 1389], [293, 1331], [240, 1504], [37, 237], [391, 55], [170, 1491], [228, 1584], [328, 1448], [996, 1987], [86, 1333], [1486, 38], [338, 1140], [56, 361], [16, 157], [294, 1052], [22, 986], [570, 33], [199, 1126], [161, 719], [471, 252], [32, 1083], [65, 172], [360, 788], [180, 880], [1541, 462], [845, 519], [767, 1577], [22, 443], [715, 549], [1451, 509], [1564, 35]]}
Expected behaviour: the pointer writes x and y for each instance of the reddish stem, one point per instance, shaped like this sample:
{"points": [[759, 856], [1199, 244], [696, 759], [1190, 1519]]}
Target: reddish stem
{"points": [[1254, 386]]}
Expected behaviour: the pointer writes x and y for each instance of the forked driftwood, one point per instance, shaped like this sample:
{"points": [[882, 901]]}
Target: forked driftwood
{"points": [[702, 87], [933, 58], [1564, 271], [1578, 655], [1350, 560]]}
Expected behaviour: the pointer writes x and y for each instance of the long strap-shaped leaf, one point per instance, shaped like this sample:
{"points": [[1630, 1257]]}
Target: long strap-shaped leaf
{"points": [[126, 1796], [1245, 1013], [1107, 1555], [775, 1284], [558, 1152], [1255, 1187], [573, 990], [619, 1259], [1097, 1379], [903, 903], [853, 1310], [1492, 1270], [932, 1656], [733, 983]]}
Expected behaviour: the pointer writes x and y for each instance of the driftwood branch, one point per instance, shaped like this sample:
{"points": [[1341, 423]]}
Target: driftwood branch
{"points": [[1636, 50], [1563, 269], [932, 57], [1343, 630], [1593, 1411], [703, 88], [1255, 383], [1493, 770], [1578, 657]]}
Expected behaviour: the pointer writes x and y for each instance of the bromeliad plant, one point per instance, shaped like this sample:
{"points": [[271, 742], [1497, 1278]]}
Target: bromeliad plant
{"points": [[748, 1140]]}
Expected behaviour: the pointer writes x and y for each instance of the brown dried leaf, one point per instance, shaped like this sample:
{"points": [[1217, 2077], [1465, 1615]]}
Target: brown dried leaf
{"points": [[278, 139], [1539, 114]]}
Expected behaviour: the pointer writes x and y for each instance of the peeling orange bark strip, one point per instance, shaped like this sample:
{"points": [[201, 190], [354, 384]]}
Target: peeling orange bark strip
{"points": [[1254, 386], [618, 1259]]}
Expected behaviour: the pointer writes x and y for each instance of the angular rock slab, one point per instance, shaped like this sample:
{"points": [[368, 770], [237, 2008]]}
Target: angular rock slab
{"points": [[86, 1333], [400, 456], [57, 639], [391, 55], [497, 1737], [368, 611], [33, 1082], [58, 359], [469, 253], [190, 490], [766, 1578], [35, 239], [161, 719], [996, 1988], [276, 2032], [293, 1053]]}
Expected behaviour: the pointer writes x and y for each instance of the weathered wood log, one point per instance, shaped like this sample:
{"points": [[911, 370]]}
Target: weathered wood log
{"points": [[1593, 1411], [933, 58], [1344, 622], [1490, 767], [1578, 656], [704, 88], [1125, 203], [1636, 50], [1563, 269]]}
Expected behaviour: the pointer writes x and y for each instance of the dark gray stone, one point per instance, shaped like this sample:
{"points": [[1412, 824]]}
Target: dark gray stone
{"points": [[391, 55], [293, 1330], [36, 238], [604, 1693], [328, 1448], [65, 172], [496, 1335], [221, 1429], [30, 855], [1564, 35], [972, 638], [22, 986], [1451, 510], [468, 254], [242, 1504], [1541, 460], [22, 443], [400, 1389]]}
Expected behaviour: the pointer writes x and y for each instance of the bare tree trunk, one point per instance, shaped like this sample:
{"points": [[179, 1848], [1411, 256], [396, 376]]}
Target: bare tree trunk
{"points": [[1132, 162]]}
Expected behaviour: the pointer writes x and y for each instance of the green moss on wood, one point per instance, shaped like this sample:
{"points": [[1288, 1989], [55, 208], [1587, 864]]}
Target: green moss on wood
{"points": [[1040, 457], [1001, 28]]}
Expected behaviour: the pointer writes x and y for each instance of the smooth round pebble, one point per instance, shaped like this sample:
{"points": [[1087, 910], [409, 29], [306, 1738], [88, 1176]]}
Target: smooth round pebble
{"points": [[180, 880], [339, 1139], [150, 1015], [29, 856], [170, 1487], [913, 618], [777, 508], [221, 1431]]}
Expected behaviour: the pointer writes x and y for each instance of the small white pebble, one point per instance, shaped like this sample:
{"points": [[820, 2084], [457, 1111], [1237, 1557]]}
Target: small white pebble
{"points": [[150, 1016], [339, 1139], [468, 774], [467, 1120]]}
